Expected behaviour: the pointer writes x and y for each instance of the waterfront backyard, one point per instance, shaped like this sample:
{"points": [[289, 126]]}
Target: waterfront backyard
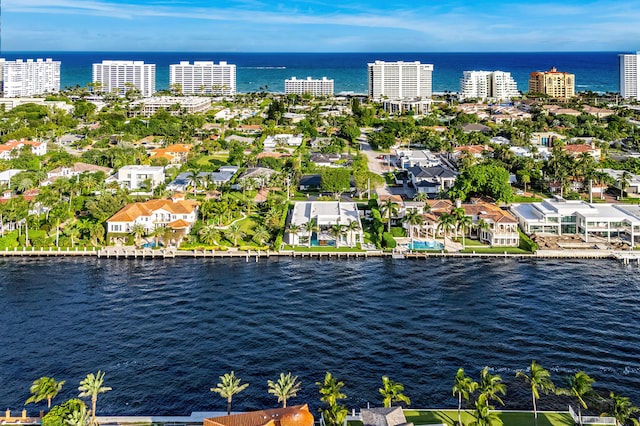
{"points": [[508, 418]]}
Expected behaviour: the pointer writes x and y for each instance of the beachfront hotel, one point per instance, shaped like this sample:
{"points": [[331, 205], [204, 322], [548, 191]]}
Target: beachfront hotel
{"points": [[204, 77], [119, 75], [493, 85], [629, 76], [400, 80], [22, 78], [315, 87], [554, 83]]}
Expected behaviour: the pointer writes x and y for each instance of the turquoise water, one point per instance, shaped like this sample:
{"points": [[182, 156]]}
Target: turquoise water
{"points": [[425, 245]]}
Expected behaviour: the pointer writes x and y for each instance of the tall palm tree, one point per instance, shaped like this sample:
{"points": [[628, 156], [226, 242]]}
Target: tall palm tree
{"points": [[622, 409], [420, 196], [44, 388], [392, 392], [330, 389], [228, 386], [234, 233], [491, 385], [310, 227], [446, 223], [352, 228], [337, 231], [92, 386], [623, 181], [209, 234], [540, 380], [79, 417], [261, 234], [294, 229], [463, 387], [413, 219], [482, 225], [579, 386], [138, 230], [389, 209], [484, 414], [463, 224], [286, 387]]}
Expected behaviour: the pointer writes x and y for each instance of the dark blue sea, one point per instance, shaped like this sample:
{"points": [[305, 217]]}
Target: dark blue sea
{"points": [[163, 331], [595, 71]]}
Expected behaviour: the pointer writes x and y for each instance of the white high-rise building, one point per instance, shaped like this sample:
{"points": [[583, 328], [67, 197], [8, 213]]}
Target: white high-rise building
{"points": [[400, 80], [204, 77], [22, 78], [119, 75], [495, 85], [629, 76], [315, 87]]}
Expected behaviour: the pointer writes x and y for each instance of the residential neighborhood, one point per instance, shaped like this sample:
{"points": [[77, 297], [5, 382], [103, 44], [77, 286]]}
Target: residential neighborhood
{"points": [[275, 172]]}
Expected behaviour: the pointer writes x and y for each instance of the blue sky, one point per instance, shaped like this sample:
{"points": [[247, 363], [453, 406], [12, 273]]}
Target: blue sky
{"points": [[320, 25]]}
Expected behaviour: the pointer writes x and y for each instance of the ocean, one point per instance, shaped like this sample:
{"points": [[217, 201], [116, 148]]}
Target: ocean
{"points": [[163, 331], [595, 71]]}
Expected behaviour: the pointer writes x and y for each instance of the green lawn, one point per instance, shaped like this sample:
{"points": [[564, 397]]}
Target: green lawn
{"points": [[215, 159], [450, 417]]}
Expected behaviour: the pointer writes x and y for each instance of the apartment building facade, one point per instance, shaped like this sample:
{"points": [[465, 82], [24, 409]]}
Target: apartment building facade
{"points": [[629, 76], [315, 87], [118, 76], [400, 80], [22, 78], [204, 77], [554, 83], [494, 85]]}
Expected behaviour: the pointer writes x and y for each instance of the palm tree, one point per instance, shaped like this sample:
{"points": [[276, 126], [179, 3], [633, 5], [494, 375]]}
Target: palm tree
{"points": [[79, 417], [337, 231], [330, 389], [420, 196], [392, 392], [261, 234], [286, 387], [622, 409], [138, 230], [540, 380], [445, 223], [579, 386], [491, 385], [352, 228], [44, 388], [294, 229], [92, 386], [482, 225], [156, 234], [228, 386], [209, 235], [463, 387], [464, 223], [233, 233], [413, 219], [310, 227], [623, 181], [389, 209], [484, 414]]}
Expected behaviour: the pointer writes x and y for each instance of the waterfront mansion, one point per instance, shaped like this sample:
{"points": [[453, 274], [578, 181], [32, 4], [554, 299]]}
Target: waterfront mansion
{"points": [[324, 223], [557, 216]]}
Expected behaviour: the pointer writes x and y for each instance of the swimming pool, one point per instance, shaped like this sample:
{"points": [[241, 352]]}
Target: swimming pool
{"points": [[425, 245]]}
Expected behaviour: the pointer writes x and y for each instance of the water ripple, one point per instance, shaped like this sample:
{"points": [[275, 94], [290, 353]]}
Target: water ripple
{"points": [[165, 330]]}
